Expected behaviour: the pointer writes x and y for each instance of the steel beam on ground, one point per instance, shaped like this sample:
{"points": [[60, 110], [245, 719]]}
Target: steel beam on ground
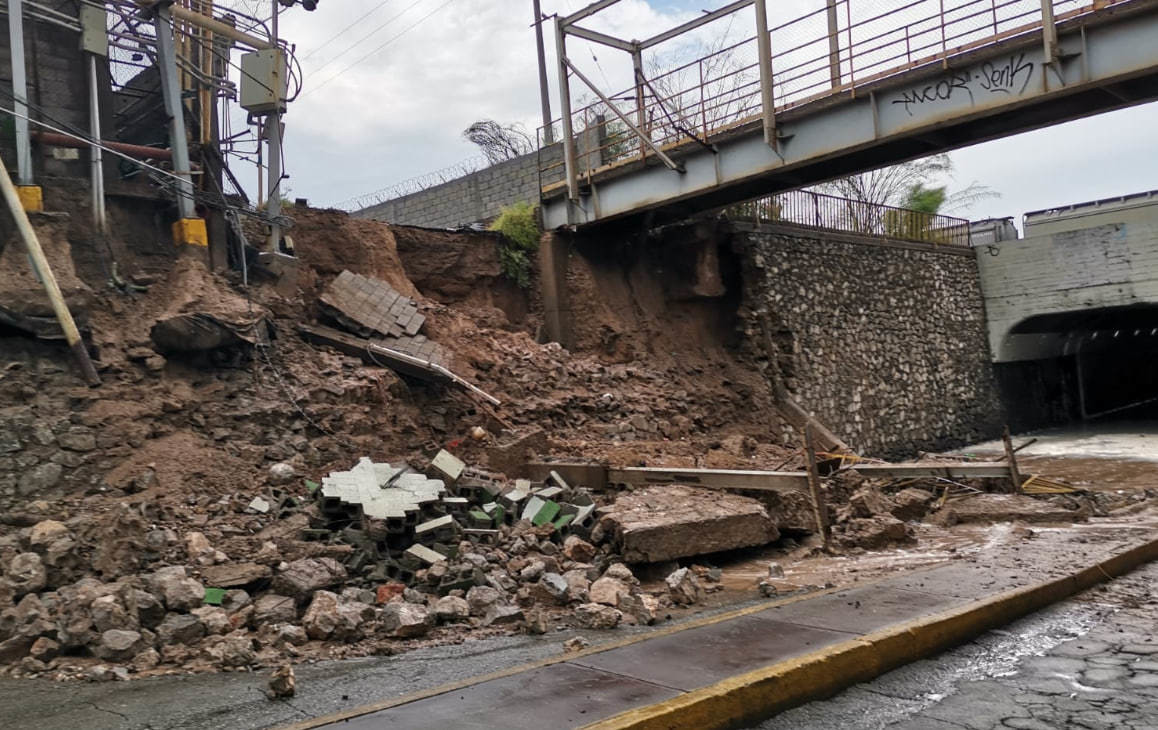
{"points": [[766, 481], [961, 470]]}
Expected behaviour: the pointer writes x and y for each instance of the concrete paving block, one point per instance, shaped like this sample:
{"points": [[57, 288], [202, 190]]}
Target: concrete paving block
{"points": [[532, 507], [424, 554], [448, 465]]}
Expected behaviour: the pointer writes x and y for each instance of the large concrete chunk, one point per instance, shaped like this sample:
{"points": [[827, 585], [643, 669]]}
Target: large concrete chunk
{"points": [[669, 522]]}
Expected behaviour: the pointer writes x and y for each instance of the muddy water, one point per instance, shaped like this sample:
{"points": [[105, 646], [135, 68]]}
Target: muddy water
{"points": [[1113, 457]]}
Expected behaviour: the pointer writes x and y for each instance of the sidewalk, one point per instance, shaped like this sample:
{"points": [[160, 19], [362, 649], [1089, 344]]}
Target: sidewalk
{"points": [[743, 665]]}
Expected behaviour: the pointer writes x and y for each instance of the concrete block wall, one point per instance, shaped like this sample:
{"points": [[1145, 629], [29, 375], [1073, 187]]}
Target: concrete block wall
{"points": [[885, 344], [1111, 264], [473, 198], [57, 85]]}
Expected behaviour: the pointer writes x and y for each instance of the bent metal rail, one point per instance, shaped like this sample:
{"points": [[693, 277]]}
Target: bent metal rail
{"points": [[829, 51]]}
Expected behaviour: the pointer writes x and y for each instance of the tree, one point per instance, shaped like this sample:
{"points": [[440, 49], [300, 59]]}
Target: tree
{"points": [[497, 142]]}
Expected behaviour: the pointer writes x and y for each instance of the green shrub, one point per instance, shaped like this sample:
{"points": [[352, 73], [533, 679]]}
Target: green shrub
{"points": [[520, 232]]}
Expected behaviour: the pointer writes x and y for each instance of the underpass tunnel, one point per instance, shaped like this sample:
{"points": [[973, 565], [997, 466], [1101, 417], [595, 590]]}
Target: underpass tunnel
{"points": [[1096, 364]]}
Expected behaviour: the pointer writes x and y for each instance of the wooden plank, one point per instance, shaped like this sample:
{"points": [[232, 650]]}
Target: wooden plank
{"points": [[819, 504], [767, 481], [1011, 460], [955, 470]]}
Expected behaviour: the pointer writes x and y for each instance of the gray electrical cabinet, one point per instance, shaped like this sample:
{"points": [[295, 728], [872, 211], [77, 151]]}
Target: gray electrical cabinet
{"points": [[264, 81]]}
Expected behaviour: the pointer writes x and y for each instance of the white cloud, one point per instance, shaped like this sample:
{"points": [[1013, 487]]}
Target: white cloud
{"points": [[400, 112]]}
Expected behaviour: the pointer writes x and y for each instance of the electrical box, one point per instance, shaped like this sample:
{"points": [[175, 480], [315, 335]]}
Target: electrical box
{"points": [[94, 33], [264, 81]]}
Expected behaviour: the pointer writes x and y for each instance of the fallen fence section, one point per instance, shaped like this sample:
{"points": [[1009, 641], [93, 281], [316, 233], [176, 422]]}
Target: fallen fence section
{"points": [[376, 354]]}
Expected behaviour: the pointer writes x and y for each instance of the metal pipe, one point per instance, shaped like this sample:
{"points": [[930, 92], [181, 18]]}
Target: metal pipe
{"points": [[132, 150], [834, 45], [764, 50], [640, 119], [544, 91], [171, 91], [100, 218], [44, 273], [273, 136], [211, 24], [24, 174], [569, 161]]}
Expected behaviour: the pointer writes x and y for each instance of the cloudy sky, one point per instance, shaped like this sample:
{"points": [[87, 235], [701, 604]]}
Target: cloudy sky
{"points": [[389, 87]]}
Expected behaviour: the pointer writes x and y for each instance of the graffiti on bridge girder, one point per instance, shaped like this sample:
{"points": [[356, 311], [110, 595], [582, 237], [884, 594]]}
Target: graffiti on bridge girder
{"points": [[1007, 77]]}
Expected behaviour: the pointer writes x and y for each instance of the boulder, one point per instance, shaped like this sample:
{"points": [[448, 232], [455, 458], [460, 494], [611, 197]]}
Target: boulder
{"points": [[406, 620], [619, 571], [215, 619], [578, 585], [44, 649], [554, 587], [597, 616], [868, 501], [108, 612], [302, 577], [873, 533], [232, 575], [235, 650]]}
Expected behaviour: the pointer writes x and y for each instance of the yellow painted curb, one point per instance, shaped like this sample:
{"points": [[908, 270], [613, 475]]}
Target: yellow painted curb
{"points": [[748, 698]]}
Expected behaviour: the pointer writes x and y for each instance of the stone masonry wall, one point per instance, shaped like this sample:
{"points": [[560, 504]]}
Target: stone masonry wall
{"points": [[884, 343], [472, 198]]}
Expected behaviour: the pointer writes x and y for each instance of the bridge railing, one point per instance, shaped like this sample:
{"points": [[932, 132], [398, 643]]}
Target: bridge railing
{"points": [[843, 215], [870, 40]]}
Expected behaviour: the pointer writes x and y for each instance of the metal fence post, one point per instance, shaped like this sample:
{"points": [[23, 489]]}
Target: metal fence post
{"points": [[1048, 32], [764, 50], [833, 45], [565, 109], [640, 119]]}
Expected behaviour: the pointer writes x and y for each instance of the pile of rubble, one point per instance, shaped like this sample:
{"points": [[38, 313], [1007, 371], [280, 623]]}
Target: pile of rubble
{"points": [[399, 555]]}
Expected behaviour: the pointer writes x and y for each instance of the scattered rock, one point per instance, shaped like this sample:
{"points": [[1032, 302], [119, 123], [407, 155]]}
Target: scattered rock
{"points": [[281, 473], [274, 609], [775, 571], [117, 645], [281, 681], [25, 574], [608, 591], [577, 549], [481, 598], [180, 629], [302, 577], [911, 504], [501, 613], [405, 620], [683, 587], [178, 591], [643, 607], [575, 644], [451, 608], [597, 616], [47, 532], [874, 533]]}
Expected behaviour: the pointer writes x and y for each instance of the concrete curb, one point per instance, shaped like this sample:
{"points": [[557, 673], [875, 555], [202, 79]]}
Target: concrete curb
{"points": [[749, 698]]}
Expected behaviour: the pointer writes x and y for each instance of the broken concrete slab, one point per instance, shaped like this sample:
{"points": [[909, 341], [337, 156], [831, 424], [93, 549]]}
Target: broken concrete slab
{"points": [[665, 523], [985, 508]]}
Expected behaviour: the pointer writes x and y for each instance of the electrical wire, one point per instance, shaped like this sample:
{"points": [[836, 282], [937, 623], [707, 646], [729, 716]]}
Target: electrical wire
{"points": [[368, 35], [379, 48], [357, 20]]}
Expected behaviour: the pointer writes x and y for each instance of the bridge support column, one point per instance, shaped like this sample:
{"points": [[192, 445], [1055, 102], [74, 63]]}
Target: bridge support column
{"points": [[554, 255]]}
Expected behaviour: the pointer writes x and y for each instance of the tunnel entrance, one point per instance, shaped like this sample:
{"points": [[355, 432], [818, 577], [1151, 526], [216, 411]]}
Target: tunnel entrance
{"points": [[1097, 365]]}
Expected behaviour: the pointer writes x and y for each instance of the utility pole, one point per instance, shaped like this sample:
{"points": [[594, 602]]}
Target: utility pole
{"points": [[273, 136], [544, 95], [31, 197], [188, 229]]}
